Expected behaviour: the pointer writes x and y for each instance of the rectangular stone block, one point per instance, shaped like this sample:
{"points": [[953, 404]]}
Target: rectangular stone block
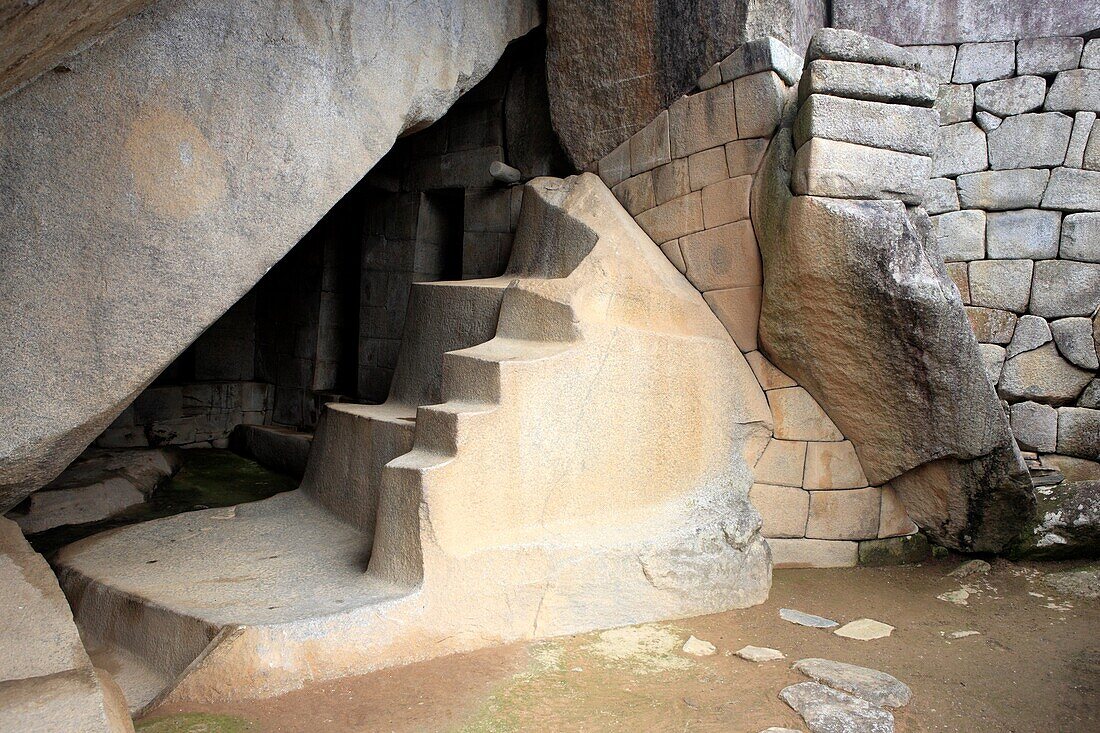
{"points": [[1027, 233], [937, 62], [671, 181], [1030, 141], [940, 196], [1083, 123], [803, 553], [960, 149], [797, 416], [762, 54], [767, 374], [702, 121], [848, 514], [1081, 237], [899, 127], [636, 193], [726, 201], [723, 257], [1047, 55], [867, 81], [833, 466], [783, 508], [1077, 90], [707, 167], [1002, 190], [782, 464], [1013, 96], [984, 62], [739, 311], [844, 170], [960, 235], [893, 519], [1090, 57], [1064, 288], [673, 219], [1002, 284], [1079, 432], [1035, 426], [760, 99], [955, 103], [649, 147], [991, 326], [672, 252], [958, 275], [743, 156], [1072, 189]]}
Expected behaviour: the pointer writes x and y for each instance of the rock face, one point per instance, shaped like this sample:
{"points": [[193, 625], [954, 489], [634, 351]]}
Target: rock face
{"points": [[145, 191], [612, 67], [1066, 524], [859, 309]]}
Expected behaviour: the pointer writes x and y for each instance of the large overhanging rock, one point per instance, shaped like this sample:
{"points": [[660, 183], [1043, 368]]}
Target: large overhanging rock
{"points": [[145, 191], [614, 66], [859, 309]]}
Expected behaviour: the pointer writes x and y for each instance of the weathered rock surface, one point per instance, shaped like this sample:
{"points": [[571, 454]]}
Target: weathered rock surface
{"points": [[877, 688], [139, 201], [881, 288], [1042, 375], [612, 67], [1028, 233], [827, 711], [1011, 96], [1030, 141], [1073, 337], [864, 629], [867, 81], [1082, 583], [984, 62], [1066, 523]]}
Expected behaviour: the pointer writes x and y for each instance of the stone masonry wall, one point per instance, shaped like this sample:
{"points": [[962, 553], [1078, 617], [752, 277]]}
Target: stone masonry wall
{"points": [[686, 178], [1016, 202]]}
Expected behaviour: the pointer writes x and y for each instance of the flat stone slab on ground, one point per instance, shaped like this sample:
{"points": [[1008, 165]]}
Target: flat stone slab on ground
{"points": [[827, 711], [865, 629], [698, 648], [760, 654], [806, 619], [877, 688], [1083, 583]]}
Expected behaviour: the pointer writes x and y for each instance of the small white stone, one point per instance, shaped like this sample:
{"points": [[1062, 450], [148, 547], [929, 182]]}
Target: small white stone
{"points": [[963, 634], [958, 597], [806, 619], [760, 654], [698, 647], [864, 629]]}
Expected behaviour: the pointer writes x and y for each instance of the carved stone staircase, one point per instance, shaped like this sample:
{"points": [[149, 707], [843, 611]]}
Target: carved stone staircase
{"points": [[564, 448]]}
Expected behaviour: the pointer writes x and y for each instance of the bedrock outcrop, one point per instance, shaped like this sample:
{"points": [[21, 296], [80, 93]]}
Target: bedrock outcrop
{"points": [[148, 188]]}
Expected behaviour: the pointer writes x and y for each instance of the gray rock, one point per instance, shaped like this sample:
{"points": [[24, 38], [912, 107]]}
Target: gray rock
{"points": [[960, 235], [1081, 237], [991, 326], [195, 196], [1031, 333], [1065, 288], [1076, 90], [1090, 397], [762, 54], [897, 127], [908, 22], [984, 62], [987, 122], [1079, 432], [843, 170], [867, 81], [993, 357], [960, 149], [1071, 189], [955, 103], [1004, 284], [905, 550], [1066, 522], [1035, 426], [1047, 55], [596, 54], [1011, 96], [827, 711], [971, 568], [1001, 190], [937, 62], [1073, 337], [1030, 233], [1079, 139], [1031, 140], [1090, 58], [1090, 156], [806, 619], [843, 45], [884, 284], [877, 688], [1084, 583], [1042, 375], [940, 196]]}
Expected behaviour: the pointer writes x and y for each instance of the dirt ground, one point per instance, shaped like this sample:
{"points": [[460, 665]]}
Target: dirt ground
{"points": [[1033, 666]]}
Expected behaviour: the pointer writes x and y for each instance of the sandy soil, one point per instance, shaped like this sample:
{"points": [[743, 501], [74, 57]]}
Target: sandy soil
{"points": [[1034, 666]]}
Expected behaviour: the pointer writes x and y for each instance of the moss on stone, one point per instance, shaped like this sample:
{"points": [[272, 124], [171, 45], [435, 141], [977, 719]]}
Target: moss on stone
{"points": [[195, 723]]}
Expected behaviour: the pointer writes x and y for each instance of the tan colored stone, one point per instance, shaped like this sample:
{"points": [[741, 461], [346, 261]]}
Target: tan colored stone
{"points": [[782, 464], [833, 466], [672, 252], [783, 508], [798, 416], [726, 201], [990, 325], [743, 156], [851, 514], [670, 180], [806, 553], [636, 193], [769, 375], [649, 147], [722, 257], [893, 520], [760, 99], [707, 167], [739, 311], [958, 273], [675, 218], [702, 121]]}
